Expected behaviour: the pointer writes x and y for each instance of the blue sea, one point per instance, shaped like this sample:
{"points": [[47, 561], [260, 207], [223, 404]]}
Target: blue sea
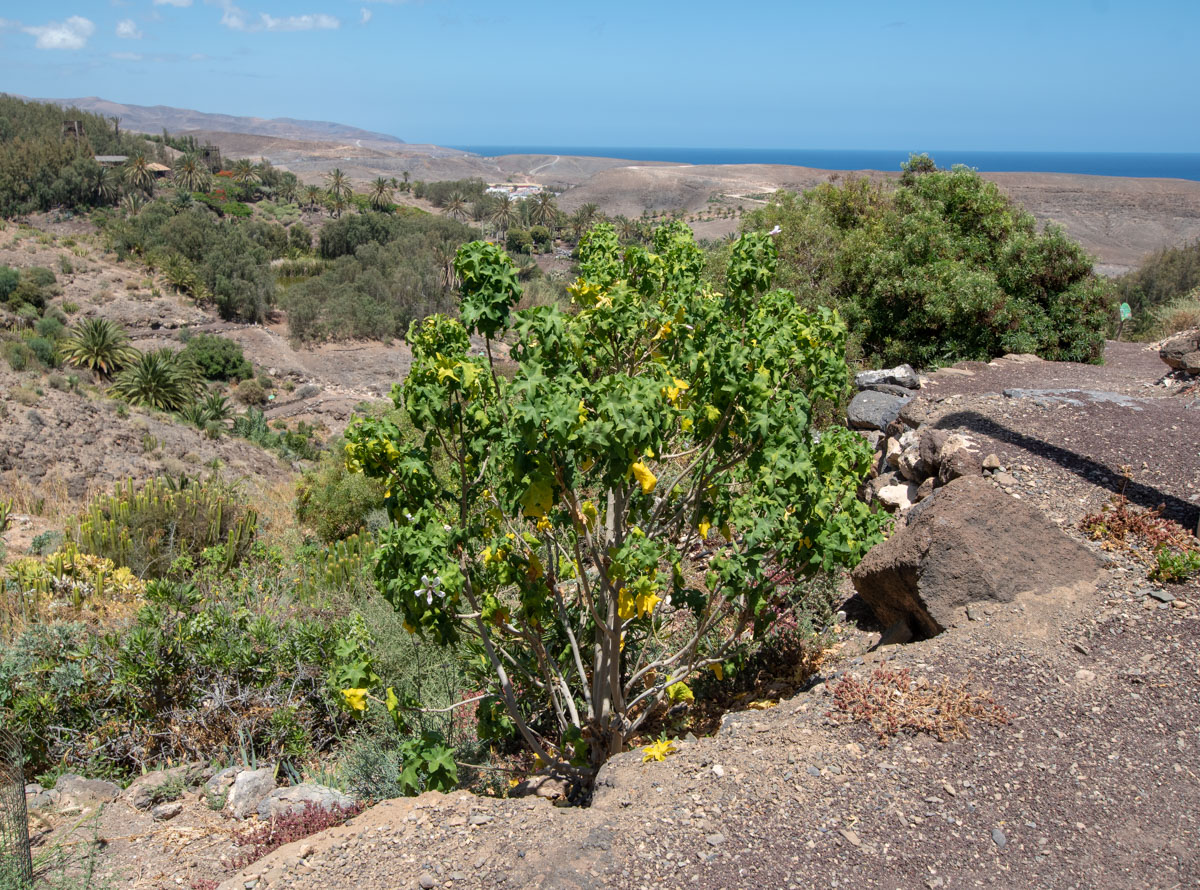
{"points": [[1142, 164]]}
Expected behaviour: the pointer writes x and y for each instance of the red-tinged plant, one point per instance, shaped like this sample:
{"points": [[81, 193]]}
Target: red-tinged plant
{"points": [[269, 837]]}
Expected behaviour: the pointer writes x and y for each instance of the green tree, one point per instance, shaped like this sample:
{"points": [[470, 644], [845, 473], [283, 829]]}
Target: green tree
{"points": [[138, 176], [338, 184], [313, 195], [942, 269], [244, 172], [100, 345], [503, 215], [380, 195], [160, 379], [456, 207], [544, 210], [550, 521], [191, 175]]}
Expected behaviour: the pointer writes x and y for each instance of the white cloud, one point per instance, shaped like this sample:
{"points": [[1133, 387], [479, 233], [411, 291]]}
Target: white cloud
{"points": [[71, 34], [318, 22], [236, 19], [173, 3], [366, 16], [127, 29], [126, 57]]}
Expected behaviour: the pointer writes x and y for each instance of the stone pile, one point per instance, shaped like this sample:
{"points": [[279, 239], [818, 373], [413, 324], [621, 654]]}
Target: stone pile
{"points": [[911, 459]]}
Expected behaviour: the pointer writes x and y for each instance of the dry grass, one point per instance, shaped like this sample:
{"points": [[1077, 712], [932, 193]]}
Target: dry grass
{"points": [[48, 499], [890, 702], [1181, 314]]}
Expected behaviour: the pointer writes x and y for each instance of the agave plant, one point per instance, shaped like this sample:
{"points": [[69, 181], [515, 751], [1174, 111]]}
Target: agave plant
{"points": [[181, 275], [217, 407], [99, 345], [158, 379], [193, 413]]}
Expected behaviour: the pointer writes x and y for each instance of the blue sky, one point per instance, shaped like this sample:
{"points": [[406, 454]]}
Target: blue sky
{"points": [[1071, 75]]}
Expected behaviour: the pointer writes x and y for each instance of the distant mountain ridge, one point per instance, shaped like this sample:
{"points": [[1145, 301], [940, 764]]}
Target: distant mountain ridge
{"points": [[153, 118]]}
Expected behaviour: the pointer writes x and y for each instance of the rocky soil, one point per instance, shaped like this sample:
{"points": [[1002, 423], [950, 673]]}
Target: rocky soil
{"points": [[1090, 780]]}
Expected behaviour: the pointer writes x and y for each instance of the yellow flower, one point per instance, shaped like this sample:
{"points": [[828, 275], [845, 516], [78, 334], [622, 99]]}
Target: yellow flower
{"points": [[583, 411], [705, 527], [646, 603], [674, 391], [643, 475], [588, 509], [658, 751], [625, 605], [355, 698]]}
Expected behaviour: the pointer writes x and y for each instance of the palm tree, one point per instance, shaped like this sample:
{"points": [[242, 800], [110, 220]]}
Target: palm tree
{"points": [[407, 187], [443, 254], [337, 183], [381, 194], [313, 196], [288, 187], [138, 175], [99, 345], [456, 206], [244, 172], [191, 175], [105, 186], [133, 203], [503, 215], [543, 210], [627, 230], [158, 379], [337, 203], [588, 214]]}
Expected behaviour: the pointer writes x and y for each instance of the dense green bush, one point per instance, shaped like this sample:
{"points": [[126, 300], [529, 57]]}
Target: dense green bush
{"points": [[939, 269], [9, 279], [334, 502], [39, 169], [217, 358], [226, 667], [1164, 277], [518, 240], [31, 287], [344, 236], [375, 293], [160, 379], [231, 258]]}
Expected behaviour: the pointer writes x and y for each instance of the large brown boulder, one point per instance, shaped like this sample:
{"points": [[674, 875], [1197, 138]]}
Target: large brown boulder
{"points": [[967, 543], [1182, 351]]}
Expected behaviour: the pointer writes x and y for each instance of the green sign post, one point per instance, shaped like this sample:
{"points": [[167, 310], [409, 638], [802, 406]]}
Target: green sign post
{"points": [[1126, 314]]}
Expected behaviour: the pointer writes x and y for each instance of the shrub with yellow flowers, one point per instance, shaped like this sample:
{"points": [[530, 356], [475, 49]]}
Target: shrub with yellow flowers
{"points": [[606, 520]]}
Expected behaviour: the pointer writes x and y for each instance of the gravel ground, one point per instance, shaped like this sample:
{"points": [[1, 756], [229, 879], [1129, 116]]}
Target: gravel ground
{"points": [[1092, 783]]}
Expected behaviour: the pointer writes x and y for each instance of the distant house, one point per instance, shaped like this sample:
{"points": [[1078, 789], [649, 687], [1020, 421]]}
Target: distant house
{"points": [[159, 170], [111, 160], [514, 190]]}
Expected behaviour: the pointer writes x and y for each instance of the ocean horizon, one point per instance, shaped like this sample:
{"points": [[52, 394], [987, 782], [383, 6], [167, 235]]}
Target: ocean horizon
{"points": [[1166, 165]]}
